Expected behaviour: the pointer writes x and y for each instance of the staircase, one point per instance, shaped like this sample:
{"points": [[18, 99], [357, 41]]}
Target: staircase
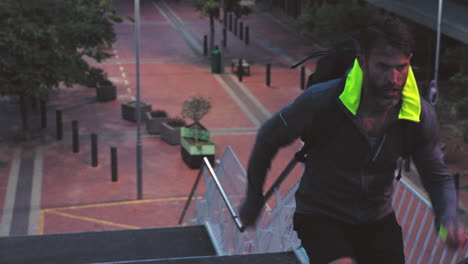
{"points": [[176, 245]]}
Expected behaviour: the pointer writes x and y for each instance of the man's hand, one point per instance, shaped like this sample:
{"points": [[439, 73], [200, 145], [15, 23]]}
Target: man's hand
{"points": [[452, 232], [250, 211]]}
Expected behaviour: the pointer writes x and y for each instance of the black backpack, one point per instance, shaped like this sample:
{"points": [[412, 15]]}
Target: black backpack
{"points": [[333, 64]]}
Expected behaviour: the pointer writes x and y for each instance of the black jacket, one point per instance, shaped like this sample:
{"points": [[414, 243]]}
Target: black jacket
{"points": [[346, 178]]}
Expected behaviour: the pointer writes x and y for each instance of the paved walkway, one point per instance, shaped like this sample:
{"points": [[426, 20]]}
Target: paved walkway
{"points": [[45, 188]]}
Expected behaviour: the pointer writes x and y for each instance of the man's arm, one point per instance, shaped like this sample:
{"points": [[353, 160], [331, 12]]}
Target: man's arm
{"points": [[436, 178], [280, 130]]}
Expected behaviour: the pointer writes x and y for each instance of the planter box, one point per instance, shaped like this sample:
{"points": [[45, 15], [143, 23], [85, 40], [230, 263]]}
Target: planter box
{"points": [[189, 132], [153, 124], [129, 110], [169, 134], [106, 92], [193, 154]]}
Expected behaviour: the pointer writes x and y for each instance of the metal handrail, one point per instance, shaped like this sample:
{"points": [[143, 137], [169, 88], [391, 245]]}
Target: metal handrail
{"points": [[234, 216], [291, 165]]}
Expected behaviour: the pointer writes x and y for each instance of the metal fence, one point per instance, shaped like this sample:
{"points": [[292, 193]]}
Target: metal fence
{"points": [[274, 232]]}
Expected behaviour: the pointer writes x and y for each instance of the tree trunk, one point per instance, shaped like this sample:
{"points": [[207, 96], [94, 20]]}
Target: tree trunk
{"points": [[212, 30], [24, 114]]}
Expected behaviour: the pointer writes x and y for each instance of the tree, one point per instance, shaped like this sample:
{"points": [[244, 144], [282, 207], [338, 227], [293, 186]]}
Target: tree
{"points": [[45, 43], [196, 108], [211, 9]]}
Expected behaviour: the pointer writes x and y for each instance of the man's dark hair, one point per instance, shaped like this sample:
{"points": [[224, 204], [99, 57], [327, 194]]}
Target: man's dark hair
{"points": [[389, 30]]}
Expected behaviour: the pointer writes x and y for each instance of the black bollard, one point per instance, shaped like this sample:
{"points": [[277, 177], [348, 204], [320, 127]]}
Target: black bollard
{"points": [[43, 114], [76, 142], [225, 15], [268, 74], [247, 35], [224, 37], [457, 186], [59, 128], [241, 30], [302, 77], [235, 26], [114, 167], [94, 150], [33, 102], [205, 45], [230, 22], [240, 71]]}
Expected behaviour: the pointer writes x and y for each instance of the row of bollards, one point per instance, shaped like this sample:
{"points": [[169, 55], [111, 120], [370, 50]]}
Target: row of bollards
{"points": [[240, 74], [239, 29], [94, 145]]}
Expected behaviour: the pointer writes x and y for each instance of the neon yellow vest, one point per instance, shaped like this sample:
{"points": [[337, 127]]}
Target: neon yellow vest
{"points": [[411, 102]]}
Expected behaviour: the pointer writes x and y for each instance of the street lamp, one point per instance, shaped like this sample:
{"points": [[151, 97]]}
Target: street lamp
{"points": [[138, 142], [433, 91]]}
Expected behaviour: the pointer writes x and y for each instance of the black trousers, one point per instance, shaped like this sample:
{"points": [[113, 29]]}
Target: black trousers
{"points": [[326, 239]]}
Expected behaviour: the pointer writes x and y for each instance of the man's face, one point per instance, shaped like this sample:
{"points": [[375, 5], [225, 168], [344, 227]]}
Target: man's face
{"points": [[385, 71]]}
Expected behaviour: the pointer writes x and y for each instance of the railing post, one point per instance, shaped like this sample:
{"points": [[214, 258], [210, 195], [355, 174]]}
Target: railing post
{"points": [[58, 122], [268, 74], [114, 165], [76, 139], [94, 150], [192, 192]]}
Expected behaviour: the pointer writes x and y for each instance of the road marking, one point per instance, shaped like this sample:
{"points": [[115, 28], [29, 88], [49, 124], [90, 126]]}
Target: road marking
{"points": [[41, 223], [124, 75], [116, 56], [35, 204], [117, 203], [126, 82], [115, 51], [121, 68], [93, 220], [237, 100], [129, 90], [9, 202]]}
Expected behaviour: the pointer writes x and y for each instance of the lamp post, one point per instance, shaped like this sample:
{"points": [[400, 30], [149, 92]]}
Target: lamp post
{"points": [[433, 91], [138, 141]]}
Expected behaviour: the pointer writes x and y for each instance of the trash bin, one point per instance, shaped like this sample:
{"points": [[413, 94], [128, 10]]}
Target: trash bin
{"points": [[216, 61]]}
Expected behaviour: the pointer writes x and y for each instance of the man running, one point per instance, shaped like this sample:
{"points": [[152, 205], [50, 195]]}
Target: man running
{"points": [[343, 204]]}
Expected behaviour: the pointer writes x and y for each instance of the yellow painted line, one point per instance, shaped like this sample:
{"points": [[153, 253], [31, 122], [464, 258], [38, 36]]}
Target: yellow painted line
{"points": [[41, 223], [93, 220], [118, 203]]}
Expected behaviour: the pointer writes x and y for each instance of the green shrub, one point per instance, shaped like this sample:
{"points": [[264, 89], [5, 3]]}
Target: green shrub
{"points": [[459, 84], [335, 21], [446, 111]]}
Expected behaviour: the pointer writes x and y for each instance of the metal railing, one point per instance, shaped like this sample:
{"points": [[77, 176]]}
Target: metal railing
{"points": [[274, 232]]}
